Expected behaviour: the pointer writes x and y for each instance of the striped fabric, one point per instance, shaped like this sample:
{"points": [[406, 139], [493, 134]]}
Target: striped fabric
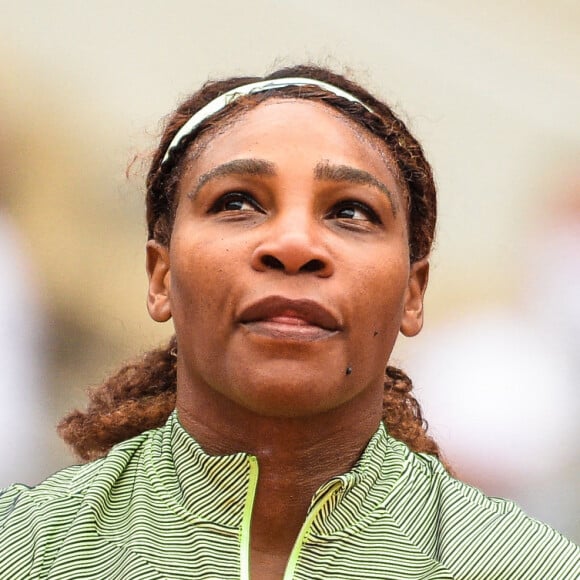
{"points": [[157, 507]]}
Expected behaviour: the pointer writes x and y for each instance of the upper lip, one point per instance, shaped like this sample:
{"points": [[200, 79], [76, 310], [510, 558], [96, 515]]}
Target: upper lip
{"points": [[308, 310]]}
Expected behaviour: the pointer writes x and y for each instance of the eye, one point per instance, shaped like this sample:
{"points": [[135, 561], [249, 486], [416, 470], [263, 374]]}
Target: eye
{"points": [[235, 201], [355, 211]]}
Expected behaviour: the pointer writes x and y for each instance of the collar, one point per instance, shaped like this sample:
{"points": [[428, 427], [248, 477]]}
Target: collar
{"points": [[215, 489]]}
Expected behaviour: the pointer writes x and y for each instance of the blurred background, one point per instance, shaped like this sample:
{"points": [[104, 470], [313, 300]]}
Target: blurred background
{"points": [[491, 90]]}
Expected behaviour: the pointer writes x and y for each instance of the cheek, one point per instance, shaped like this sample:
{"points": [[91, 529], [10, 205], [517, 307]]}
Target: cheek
{"points": [[196, 280], [381, 302]]}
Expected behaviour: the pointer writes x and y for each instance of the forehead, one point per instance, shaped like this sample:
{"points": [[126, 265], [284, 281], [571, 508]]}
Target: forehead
{"points": [[292, 132]]}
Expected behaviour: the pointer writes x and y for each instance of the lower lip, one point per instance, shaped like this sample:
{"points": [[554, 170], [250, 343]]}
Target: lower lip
{"points": [[289, 330]]}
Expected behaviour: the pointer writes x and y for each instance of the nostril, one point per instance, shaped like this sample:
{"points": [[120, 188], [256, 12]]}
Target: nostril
{"points": [[272, 262], [313, 266], [292, 265]]}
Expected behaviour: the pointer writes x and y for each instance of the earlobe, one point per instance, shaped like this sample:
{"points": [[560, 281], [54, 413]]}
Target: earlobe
{"points": [[159, 273], [412, 320]]}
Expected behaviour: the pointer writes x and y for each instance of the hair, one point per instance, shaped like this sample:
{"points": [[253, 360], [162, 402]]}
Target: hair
{"points": [[141, 395]]}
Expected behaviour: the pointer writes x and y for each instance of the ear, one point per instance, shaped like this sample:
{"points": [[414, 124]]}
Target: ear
{"points": [[159, 273], [412, 320]]}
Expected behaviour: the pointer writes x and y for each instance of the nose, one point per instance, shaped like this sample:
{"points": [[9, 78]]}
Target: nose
{"points": [[293, 246]]}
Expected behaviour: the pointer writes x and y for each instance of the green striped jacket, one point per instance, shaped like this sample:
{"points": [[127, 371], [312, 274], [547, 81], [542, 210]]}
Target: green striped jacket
{"points": [[157, 507]]}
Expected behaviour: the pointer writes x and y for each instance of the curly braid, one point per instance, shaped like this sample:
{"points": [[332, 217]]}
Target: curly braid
{"points": [[138, 397], [141, 395]]}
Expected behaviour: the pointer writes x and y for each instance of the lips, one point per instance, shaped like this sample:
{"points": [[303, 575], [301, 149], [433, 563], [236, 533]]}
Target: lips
{"points": [[283, 318]]}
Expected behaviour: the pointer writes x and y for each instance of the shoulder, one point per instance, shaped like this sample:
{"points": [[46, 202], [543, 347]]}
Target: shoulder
{"points": [[34, 521], [474, 535]]}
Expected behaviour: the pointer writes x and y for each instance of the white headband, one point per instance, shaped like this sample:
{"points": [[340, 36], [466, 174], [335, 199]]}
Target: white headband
{"points": [[223, 100]]}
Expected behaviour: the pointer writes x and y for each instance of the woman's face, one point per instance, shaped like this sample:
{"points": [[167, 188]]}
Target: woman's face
{"points": [[288, 275]]}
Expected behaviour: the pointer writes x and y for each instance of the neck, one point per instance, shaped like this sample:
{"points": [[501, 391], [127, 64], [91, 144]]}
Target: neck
{"points": [[295, 455]]}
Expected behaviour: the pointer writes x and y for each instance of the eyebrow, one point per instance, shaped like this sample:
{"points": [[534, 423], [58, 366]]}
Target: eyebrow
{"points": [[236, 167], [325, 171]]}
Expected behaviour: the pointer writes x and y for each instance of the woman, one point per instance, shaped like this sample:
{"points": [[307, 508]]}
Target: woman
{"points": [[290, 222]]}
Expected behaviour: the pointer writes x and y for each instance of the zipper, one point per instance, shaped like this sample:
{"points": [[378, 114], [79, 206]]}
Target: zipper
{"points": [[305, 531], [247, 519]]}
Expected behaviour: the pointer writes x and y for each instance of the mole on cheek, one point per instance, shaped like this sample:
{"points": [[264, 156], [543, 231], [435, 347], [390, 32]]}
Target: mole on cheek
{"points": [[375, 333]]}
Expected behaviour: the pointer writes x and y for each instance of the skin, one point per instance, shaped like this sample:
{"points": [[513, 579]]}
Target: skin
{"points": [[312, 211]]}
